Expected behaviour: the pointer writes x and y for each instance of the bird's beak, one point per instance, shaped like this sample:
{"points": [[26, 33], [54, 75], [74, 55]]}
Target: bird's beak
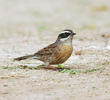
{"points": [[73, 33]]}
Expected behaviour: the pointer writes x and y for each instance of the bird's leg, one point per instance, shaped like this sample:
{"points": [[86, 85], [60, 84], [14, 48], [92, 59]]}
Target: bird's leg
{"points": [[51, 67]]}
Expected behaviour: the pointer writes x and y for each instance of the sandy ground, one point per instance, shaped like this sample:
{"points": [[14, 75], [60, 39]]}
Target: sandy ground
{"points": [[28, 25]]}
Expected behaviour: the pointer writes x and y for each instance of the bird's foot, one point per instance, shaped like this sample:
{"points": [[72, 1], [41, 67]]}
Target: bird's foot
{"points": [[51, 67]]}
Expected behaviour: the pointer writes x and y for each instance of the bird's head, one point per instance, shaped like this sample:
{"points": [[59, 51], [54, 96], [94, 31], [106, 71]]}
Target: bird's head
{"points": [[66, 35]]}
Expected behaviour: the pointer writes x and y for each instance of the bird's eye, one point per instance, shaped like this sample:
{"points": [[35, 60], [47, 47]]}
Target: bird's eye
{"points": [[64, 35]]}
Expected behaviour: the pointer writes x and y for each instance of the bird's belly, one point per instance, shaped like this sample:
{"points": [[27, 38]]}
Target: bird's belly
{"points": [[62, 54]]}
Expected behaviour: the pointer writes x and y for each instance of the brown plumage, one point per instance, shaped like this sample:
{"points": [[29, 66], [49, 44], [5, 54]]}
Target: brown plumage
{"points": [[23, 57], [55, 53]]}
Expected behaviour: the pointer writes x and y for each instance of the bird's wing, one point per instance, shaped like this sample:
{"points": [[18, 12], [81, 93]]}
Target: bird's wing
{"points": [[47, 51]]}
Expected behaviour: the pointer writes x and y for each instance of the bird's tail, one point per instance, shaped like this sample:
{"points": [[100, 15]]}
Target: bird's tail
{"points": [[23, 58]]}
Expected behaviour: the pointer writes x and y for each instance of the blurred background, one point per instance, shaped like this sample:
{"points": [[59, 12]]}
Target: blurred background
{"points": [[52, 16], [29, 25]]}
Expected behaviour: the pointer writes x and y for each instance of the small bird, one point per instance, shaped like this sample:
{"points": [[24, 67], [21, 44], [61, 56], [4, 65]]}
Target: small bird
{"points": [[55, 53]]}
